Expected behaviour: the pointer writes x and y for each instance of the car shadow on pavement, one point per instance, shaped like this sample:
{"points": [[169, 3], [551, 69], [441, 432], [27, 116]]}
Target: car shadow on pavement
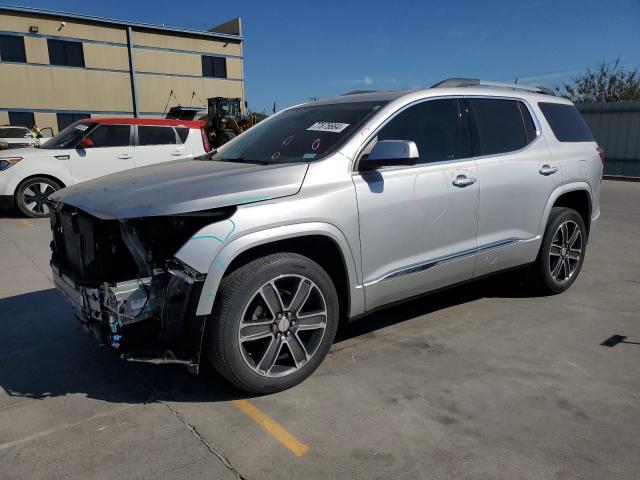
{"points": [[44, 354]]}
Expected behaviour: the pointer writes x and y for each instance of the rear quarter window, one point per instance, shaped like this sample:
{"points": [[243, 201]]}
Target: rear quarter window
{"points": [[183, 133], [566, 122]]}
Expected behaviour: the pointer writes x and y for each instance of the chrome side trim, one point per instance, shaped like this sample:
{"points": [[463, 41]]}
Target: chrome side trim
{"points": [[422, 266]]}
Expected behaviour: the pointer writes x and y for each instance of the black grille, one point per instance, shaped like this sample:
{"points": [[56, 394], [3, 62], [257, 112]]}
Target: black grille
{"points": [[89, 249]]}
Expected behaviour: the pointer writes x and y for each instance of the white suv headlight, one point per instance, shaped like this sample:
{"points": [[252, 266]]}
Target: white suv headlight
{"points": [[6, 162]]}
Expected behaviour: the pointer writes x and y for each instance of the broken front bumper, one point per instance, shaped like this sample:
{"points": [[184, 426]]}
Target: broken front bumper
{"points": [[106, 309], [164, 305]]}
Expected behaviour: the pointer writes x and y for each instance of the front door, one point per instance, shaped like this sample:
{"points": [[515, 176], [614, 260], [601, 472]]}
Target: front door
{"points": [[111, 151], [418, 224]]}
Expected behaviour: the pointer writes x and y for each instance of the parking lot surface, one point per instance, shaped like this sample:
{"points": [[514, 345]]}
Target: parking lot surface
{"points": [[482, 382]]}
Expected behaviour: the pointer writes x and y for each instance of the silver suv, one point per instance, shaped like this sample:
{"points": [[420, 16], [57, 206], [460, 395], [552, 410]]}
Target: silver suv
{"points": [[250, 256]]}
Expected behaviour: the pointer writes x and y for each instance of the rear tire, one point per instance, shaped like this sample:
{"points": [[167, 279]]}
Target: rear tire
{"points": [[562, 252], [32, 194], [273, 322]]}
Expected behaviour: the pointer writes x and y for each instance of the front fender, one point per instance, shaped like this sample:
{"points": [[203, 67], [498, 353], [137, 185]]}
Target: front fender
{"points": [[227, 251], [20, 172]]}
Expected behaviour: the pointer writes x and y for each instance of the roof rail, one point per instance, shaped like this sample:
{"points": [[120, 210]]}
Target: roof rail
{"points": [[475, 82], [358, 92]]}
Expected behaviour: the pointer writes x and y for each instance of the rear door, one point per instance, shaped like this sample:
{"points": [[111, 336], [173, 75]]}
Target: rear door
{"points": [[111, 151], [517, 175], [158, 143]]}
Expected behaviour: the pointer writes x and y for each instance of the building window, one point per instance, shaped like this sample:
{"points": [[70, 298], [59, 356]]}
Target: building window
{"points": [[65, 53], [215, 67], [12, 49], [21, 119], [66, 119]]}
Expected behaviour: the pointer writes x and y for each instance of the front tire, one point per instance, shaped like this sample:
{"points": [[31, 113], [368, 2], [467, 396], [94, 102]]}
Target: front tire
{"points": [[273, 322], [32, 195], [562, 252]]}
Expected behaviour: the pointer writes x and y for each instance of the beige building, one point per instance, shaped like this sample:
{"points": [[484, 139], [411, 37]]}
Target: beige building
{"points": [[57, 67]]}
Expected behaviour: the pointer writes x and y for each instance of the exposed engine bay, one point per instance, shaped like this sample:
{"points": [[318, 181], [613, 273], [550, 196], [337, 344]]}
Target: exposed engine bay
{"points": [[121, 276]]}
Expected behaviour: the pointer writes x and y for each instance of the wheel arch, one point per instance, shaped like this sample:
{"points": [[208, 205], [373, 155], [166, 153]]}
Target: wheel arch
{"points": [[576, 196], [38, 175], [323, 243]]}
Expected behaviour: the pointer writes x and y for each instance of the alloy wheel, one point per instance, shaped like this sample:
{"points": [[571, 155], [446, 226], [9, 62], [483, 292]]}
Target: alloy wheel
{"points": [[282, 325], [35, 197], [565, 252]]}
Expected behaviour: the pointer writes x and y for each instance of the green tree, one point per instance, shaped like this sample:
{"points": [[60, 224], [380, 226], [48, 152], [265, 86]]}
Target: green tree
{"points": [[610, 82]]}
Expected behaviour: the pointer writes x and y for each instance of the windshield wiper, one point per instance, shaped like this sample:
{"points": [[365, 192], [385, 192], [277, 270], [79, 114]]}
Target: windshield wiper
{"points": [[242, 160]]}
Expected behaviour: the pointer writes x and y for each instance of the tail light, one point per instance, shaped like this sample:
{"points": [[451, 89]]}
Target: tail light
{"points": [[205, 140], [601, 153]]}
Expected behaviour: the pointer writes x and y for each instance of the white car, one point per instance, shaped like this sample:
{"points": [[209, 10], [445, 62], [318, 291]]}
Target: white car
{"points": [[12, 136], [92, 148]]}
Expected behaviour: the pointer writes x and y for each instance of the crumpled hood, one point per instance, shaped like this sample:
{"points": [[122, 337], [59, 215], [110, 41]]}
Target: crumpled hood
{"points": [[180, 187]]}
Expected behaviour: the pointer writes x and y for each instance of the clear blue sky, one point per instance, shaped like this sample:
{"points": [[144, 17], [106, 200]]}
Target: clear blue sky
{"points": [[298, 50]]}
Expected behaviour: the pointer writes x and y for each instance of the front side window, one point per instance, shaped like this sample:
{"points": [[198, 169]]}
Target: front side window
{"points": [[152, 135], [301, 134], [215, 67], [65, 53], [434, 126], [12, 49], [499, 126], [110, 136], [566, 122]]}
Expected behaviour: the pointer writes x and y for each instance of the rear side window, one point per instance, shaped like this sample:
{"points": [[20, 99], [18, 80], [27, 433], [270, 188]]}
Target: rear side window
{"points": [[12, 49], [499, 126], [152, 135], [566, 122], [183, 133], [529, 126], [111, 136], [433, 125]]}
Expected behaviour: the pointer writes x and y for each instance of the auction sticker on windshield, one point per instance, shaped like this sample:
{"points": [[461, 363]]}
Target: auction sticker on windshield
{"points": [[81, 127], [328, 127]]}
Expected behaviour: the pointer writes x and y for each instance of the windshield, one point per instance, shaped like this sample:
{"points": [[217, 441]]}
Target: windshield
{"points": [[68, 137], [299, 135]]}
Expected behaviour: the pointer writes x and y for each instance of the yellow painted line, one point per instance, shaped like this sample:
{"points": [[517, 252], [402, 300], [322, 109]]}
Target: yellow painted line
{"points": [[271, 426]]}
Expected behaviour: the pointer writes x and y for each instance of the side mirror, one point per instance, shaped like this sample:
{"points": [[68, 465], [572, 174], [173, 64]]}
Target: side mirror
{"points": [[86, 143], [390, 153]]}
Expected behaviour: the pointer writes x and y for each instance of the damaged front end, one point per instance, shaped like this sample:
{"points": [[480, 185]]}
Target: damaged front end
{"points": [[123, 282]]}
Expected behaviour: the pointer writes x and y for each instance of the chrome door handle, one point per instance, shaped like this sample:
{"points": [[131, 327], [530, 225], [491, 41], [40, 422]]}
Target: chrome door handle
{"points": [[125, 156], [548, 170], [464, 181]]}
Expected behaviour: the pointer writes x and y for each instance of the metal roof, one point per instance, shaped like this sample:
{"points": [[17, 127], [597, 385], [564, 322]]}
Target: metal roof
{"points": [[112, 21]]}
